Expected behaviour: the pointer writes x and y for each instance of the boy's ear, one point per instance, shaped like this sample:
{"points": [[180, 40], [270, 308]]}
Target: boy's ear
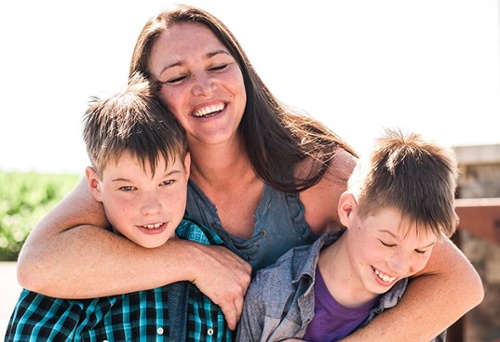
{"points": [[187, 165], [347, 203], [93, 183]]}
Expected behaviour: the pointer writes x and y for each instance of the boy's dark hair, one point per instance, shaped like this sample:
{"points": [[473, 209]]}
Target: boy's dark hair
{"points": [[135, 121], [414, 176]]}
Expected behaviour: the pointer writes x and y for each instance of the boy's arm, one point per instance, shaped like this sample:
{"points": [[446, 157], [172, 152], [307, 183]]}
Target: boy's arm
{"points": [[68, 255], [445, 290]]}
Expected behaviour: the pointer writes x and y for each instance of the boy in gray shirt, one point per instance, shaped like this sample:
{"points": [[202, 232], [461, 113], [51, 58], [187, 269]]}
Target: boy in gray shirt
{"points": [[399, 204]]}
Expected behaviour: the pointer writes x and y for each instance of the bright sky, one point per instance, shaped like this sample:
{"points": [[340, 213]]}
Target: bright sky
{"points": [[430, 66]]}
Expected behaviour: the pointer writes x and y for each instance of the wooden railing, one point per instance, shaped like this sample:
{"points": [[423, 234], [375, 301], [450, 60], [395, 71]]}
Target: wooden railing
{"points": [[481, 218]]}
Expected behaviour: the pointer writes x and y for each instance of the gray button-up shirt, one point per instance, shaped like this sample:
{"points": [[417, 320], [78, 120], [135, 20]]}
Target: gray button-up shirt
{"points": [[280, 301]]}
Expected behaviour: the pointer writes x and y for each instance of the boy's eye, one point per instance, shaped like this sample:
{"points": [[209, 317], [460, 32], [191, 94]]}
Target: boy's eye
{"points": [[126, 188], [421, 251], [168, 182], [387, 244]]}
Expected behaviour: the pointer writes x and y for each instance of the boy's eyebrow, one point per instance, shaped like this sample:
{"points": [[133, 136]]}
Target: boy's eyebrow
{"points": [[120, 179], [390, 233], [429, 245], [170, 173]]}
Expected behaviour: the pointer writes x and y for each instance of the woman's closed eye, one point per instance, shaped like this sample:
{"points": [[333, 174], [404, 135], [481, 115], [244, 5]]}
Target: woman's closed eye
{"points": [[178, 79], [175, 80], [220, 67]]}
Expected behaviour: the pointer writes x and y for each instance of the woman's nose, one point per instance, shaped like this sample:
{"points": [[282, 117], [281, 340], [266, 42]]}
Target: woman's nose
{"points": [[203, 85]]}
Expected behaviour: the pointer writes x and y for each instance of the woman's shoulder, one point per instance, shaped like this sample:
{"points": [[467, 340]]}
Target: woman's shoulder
{"points": [[342, 164], [321, 200], [340, 168]]}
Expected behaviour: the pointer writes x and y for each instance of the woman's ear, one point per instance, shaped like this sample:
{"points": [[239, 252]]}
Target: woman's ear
{"points": [[93, 183], [347, 203]]}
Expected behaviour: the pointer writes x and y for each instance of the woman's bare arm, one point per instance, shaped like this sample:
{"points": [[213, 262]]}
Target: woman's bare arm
{"points": [[448, 287], [68, 255]]}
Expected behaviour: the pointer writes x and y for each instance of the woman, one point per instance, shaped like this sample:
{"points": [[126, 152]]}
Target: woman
{"points": [[264, 178]]}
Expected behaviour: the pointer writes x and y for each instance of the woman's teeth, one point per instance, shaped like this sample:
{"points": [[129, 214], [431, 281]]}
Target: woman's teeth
{"points": [[209, 110]]}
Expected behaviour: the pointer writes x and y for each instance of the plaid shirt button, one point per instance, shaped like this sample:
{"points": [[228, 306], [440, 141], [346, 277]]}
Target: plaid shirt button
{"points": [[210, 332], [160, 331]]}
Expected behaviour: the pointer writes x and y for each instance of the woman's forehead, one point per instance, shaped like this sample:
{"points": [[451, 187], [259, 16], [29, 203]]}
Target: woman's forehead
{"points": [[180, 42]]}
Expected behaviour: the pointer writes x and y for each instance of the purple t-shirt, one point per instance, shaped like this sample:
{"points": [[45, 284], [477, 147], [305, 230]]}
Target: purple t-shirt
{"points": [[332, 321]]}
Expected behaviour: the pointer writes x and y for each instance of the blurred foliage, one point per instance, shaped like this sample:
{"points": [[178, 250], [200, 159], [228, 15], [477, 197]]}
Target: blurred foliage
{"points": [[24, 199]]}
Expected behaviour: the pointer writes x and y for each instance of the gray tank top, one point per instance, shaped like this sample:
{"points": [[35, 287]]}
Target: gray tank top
{"points": [[279, 225]]}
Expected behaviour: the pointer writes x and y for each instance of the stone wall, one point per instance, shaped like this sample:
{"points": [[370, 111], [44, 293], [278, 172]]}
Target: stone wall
{"points": [[480, 178]]}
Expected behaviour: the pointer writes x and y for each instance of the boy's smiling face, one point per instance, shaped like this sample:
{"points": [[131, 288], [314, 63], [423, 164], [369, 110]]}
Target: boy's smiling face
{"points": [[384, 248], [144, 207]]}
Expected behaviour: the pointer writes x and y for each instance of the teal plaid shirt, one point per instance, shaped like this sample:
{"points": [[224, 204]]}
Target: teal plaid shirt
{"points": [[160, 314]]}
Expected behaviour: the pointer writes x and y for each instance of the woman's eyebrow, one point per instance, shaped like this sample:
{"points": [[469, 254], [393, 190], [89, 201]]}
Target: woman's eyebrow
{"points": [[218, 52]]}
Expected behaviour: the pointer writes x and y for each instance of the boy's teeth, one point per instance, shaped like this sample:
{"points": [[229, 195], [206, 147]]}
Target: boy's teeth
{"points": [[153, 226], [385, 277]]}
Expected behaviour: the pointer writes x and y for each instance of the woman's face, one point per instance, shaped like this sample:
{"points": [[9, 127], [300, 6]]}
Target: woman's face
{"points": [[202, 83]]}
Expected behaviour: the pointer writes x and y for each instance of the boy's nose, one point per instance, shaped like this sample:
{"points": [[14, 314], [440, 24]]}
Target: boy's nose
{"points": [[151, 205], [400, 264]]}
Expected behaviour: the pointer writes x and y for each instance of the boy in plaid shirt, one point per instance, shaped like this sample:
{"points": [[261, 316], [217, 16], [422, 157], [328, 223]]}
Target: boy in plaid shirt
{"points": [[140, 169]]}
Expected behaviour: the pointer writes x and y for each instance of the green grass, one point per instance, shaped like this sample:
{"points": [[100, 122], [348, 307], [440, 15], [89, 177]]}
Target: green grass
{"points": [[24, 199]]}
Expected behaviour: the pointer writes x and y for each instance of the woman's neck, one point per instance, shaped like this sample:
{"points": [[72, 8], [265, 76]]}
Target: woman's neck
{"points": [[220, 164], [226, 177]]}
